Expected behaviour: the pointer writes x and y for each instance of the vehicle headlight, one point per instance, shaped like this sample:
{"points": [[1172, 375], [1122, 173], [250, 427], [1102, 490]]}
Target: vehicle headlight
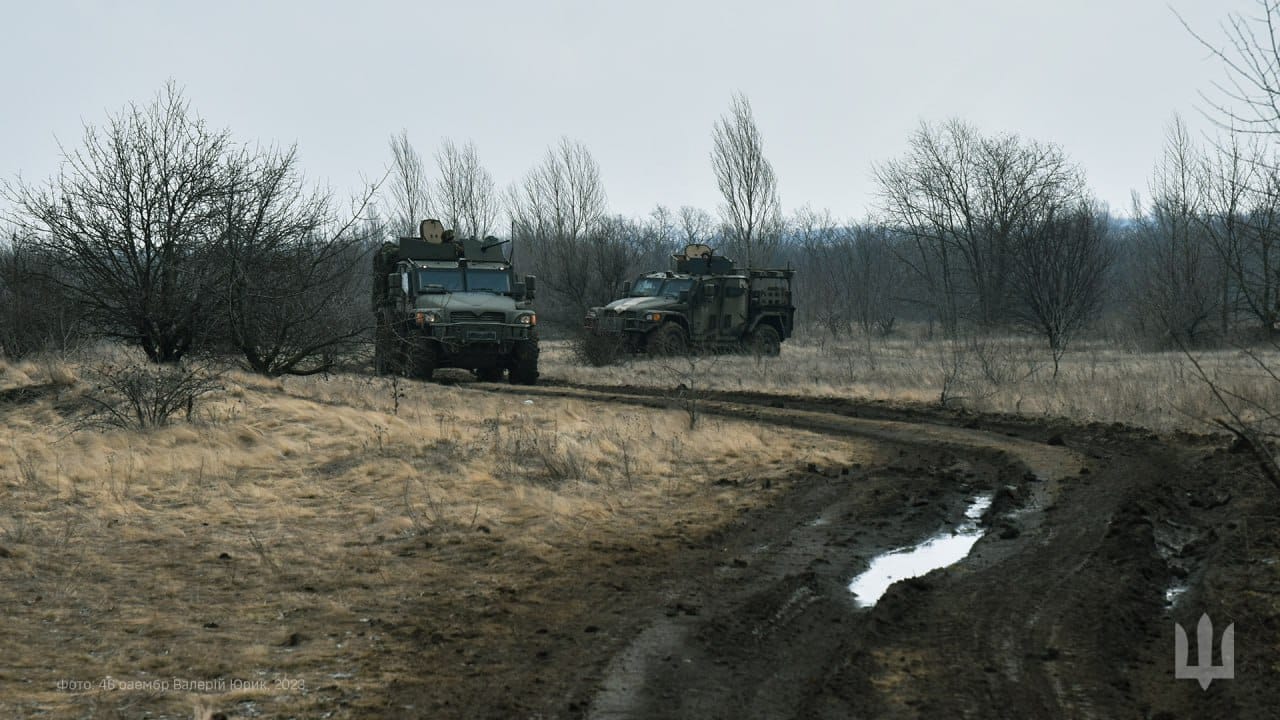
{"points": [[653, 317], [527, 319], [591, 314], [424, 317]]}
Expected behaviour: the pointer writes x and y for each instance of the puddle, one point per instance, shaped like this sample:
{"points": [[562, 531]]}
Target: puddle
{"points": [[939, 551]]}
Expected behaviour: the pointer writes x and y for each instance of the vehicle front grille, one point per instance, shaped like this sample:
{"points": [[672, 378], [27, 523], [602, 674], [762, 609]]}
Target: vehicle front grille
{"points": [[611, 323], [469, 316]]}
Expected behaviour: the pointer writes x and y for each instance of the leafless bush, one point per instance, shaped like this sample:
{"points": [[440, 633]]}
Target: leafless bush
{"points": [[951, 361], [689, 372], [29, 470], [598, 350], [1252, 413], [1002, 362], [532, 446], [138, 395]]}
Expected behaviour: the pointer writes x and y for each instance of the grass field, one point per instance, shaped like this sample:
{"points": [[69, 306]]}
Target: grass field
{"points": [[1099, 380], [302, 544], [273, 547]]}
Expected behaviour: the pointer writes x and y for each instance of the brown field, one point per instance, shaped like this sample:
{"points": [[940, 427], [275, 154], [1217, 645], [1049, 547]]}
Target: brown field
{"points": [[352, 547], [1099, 380], [300, 535]]}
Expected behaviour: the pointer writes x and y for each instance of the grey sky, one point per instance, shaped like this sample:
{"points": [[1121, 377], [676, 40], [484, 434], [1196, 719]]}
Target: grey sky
{"points": [[835, 86]]}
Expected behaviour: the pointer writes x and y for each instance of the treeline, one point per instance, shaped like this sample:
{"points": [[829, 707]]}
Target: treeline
{"points": [[173, 237]]}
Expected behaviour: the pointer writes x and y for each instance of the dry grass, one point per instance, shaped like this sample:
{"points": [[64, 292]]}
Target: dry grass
{"points": [[286, 534], [1098, 381]]}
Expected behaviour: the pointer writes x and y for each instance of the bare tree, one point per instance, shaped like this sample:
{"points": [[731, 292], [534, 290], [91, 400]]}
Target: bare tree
{"points": [[465, 195], [830, 273], [410, 191], [35, 314], [1243, 191], [130, 218], [696, 225], [169, 235], [1059, 274], [557, 213], [1181, 279], [964, 200], [1249, 97], [877, 277], [853, 276], [656, 239], [1241, 219], [1249, 103], [291, 269], [751, 213]]}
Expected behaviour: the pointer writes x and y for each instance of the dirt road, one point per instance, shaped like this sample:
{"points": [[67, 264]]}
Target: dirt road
{"points": [[1099, 539]]}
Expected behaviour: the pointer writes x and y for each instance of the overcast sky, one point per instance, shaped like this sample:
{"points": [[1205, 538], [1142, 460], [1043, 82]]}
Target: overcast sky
{"points": [[836, 86]]}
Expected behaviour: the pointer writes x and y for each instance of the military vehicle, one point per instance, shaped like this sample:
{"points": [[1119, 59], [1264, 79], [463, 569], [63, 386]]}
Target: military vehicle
{"points": [[443, 302], [704, 304]]}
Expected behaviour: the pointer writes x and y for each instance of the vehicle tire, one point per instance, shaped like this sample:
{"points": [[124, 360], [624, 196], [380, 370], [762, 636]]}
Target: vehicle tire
{"points": [[423, 358], [524, 371], [668, 339], [765, 342], [489, 374]]}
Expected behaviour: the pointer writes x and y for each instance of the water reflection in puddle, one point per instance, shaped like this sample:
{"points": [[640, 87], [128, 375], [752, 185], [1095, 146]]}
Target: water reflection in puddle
{"points": [[939, 551]]}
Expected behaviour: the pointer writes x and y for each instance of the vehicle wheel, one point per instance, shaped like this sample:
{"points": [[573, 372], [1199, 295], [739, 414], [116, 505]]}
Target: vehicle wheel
{"points": [[423, 357], [765, 341], [667, 340], [525, 369], [489, 374]]}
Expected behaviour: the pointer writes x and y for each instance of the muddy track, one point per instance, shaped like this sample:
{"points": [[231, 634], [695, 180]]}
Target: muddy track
{"points": [[1059, 611]]}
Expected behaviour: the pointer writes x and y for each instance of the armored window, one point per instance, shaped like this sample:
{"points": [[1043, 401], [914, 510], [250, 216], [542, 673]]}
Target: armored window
{"points": [[646, 287], [440, 280], [673, 288], [496, 281]]}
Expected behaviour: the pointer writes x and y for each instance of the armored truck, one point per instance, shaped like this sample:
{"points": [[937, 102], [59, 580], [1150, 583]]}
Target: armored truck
{"points": [[444, 302], [704, 303]]}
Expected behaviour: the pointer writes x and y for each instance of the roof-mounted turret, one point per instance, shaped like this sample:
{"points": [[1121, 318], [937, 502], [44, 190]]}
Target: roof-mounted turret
{"points": [[434, 242], [699, 259]]}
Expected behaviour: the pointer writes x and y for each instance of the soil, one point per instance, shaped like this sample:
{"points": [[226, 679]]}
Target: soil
{"points": [[1099, 539], [1061, 610]]}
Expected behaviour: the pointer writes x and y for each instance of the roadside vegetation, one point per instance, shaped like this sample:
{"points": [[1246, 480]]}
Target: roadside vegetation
{"points": [[1099, 381], [269, 535]]}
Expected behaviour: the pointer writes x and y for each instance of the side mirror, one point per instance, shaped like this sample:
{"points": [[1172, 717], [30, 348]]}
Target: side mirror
{"points": [[530, 286], [626, 288]]}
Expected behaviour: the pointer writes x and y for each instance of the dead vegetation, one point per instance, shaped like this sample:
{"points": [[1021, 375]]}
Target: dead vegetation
{"points": [[314, 539], [1099, 381]]}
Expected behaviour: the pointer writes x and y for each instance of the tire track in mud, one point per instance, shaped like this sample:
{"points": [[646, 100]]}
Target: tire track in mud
{"points": [[1057, 612]]}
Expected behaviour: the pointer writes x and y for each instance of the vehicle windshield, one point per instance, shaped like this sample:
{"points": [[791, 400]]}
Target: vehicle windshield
{"points": [[495, 281], [447, 279], [476, 280], [660, 287]]}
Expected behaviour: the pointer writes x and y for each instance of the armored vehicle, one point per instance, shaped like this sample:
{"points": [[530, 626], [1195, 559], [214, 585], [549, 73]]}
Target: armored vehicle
{"points": [[442, 302], [703, 304]]}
